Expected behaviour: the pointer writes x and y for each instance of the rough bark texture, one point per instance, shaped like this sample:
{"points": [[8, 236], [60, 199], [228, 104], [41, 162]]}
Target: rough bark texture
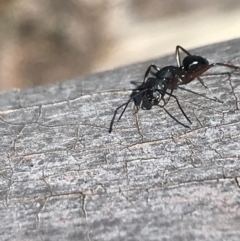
{"points": [[64, 177]]}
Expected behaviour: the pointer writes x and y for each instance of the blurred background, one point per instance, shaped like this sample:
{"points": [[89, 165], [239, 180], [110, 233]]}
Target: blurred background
{"points": [[48, 40]]}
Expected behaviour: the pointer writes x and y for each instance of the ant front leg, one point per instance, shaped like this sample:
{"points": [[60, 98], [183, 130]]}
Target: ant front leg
{"points": [[114, 115], [126, 105], [149, 69]]}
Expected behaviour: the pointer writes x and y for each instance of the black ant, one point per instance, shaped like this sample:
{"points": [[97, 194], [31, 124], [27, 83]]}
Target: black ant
{"points": [[153, 90]]}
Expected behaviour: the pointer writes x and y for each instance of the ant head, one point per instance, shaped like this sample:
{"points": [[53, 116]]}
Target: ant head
{"points": [[154, 97], [193, 63], [153, 93]]}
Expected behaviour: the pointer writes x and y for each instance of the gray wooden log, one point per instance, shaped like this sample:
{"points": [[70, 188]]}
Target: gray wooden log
{"points": [[64, 177]]}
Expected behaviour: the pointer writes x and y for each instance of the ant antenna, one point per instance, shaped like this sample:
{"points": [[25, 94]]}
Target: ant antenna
{"points": [[119, 107]]}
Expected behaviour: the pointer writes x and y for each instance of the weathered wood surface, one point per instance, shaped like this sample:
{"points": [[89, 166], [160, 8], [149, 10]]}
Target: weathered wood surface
{"points": [[64, 177]]}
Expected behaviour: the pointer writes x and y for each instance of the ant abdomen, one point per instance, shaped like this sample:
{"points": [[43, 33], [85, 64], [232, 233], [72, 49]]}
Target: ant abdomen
{"points": [[193, 63]]}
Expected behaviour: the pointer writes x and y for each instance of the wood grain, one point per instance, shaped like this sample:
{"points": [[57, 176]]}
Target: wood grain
{"points": [[64, 177]]}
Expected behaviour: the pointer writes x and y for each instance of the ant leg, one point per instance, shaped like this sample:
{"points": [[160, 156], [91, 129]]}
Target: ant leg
{"points": [[227, 65], [114, 115], [199, 94], [169, 94], [127, 103], [179, 107], [136, 111], [175, 118], [183, 49], [201, 81], [207, 67], [149, 69], [189, 77], [197, 74], [216, 74], [177, 54]]}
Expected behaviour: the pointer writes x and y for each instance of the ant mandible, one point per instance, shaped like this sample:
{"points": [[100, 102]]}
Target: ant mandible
{"points": [[153, 90]]}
